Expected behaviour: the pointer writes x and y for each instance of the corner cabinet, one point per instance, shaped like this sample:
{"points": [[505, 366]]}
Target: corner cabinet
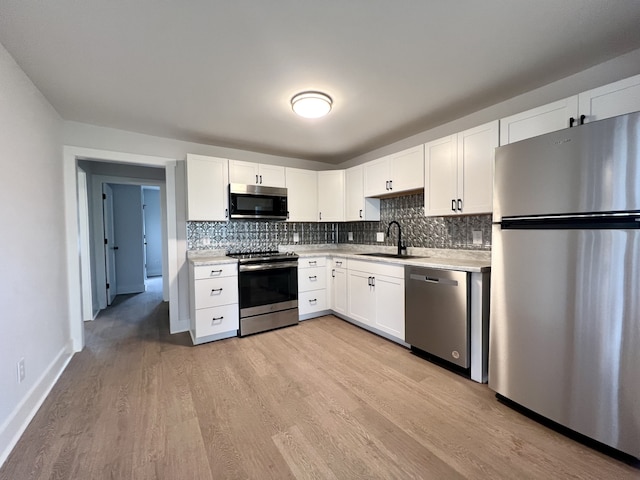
{"points": [[400, 172], [357, 206], [213, 306], [459, 172], [249, 173], [207, 196], [376, 296], [302, 192]]}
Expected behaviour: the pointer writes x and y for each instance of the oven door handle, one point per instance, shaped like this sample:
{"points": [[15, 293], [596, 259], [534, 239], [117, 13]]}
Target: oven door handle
{"points": [[267, 266]]}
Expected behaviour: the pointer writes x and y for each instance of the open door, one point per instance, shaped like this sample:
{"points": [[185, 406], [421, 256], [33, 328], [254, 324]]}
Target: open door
{"points": [[109, 246]]}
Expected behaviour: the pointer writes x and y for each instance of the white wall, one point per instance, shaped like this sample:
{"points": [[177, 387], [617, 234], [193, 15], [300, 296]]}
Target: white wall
{"points": [[128, 231], [34, 310], [152, 230]]}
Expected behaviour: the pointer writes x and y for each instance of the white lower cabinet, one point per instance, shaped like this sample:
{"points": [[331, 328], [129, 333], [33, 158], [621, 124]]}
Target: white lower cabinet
{"points": [[376, 296], [213, 306], [312, 287]]}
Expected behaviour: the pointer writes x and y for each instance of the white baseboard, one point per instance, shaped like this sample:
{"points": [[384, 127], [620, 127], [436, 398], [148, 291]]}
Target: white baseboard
{"points": [[13, 428]]}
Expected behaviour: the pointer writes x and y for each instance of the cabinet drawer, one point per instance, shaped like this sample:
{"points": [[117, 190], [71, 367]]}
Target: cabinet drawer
{"points": [[339, 262], [210, 321], [311, 262], [215, 271], [214, 292], [314, 301], [312, 279]]}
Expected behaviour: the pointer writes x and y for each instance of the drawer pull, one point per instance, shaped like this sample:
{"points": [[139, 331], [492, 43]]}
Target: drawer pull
{"points": [[216, 320], [338, 264], [215, 272], [215, 290], [313, 301], [312, 277], [312, 262]]}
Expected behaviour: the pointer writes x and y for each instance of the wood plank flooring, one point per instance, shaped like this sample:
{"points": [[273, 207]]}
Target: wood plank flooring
{"points": [[321, 400]]}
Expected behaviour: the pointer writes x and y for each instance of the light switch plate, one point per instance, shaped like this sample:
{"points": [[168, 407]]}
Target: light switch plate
{"points": [[296, 237], [477, 237], [351, 236], [380, 237]]}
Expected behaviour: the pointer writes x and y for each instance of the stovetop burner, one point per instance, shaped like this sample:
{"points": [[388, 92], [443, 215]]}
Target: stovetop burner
{"points": [[263, 256]]}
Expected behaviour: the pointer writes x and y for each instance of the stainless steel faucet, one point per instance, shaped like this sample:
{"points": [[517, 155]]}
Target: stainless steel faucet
{"points": [[402, 249]]}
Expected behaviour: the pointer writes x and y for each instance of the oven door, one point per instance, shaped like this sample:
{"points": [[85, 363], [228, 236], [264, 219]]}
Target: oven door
{"points": [[267, 287]]}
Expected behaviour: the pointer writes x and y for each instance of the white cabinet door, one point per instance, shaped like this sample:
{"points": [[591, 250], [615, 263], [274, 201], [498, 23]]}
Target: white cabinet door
{"points": [[357, 207], [302, 195], [441, 176], [271, 176], [390, 305], [377, 174], [407, 170], [611, 100], [361, 298], [339, 290], [476, 152], [538, 121], [248, 173], [207, 197], [331, 196]]}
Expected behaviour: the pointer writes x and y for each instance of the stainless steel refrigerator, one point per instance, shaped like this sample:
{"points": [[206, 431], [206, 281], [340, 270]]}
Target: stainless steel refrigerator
{"points": [[565, 280]]}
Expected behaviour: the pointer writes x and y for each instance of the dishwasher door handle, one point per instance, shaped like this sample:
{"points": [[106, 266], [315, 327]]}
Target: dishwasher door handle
{"points": [[440, 281]]}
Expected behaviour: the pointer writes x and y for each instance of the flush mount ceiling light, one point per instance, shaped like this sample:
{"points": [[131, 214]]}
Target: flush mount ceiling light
{"points": [[311, 104]]}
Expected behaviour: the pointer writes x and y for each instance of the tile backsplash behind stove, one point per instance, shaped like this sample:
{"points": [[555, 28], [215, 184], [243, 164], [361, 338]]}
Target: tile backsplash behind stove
{"points": [[417, 230]]}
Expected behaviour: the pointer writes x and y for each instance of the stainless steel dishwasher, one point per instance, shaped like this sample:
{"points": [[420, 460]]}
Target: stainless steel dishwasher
{"points": [[437, 317]]}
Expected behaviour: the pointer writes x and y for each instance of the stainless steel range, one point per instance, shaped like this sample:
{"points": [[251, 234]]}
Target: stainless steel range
{"points": [[268, 288]]}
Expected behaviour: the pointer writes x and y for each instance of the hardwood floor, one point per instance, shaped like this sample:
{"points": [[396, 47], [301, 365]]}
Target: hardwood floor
{"points": [[323, 400]]}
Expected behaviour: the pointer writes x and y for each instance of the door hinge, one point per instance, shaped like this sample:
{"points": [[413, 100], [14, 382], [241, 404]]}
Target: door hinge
{"points": [[104, 196], [108, 286], [106, 242]]}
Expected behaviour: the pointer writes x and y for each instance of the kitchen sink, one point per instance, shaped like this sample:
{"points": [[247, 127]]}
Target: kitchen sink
{"points": [[390, 255]]}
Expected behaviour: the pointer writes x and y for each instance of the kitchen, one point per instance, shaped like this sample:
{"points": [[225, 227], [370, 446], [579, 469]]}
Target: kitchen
{"points": [[102, 139]]}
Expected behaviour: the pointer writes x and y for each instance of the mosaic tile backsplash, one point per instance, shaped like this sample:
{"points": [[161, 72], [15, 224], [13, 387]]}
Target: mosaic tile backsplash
{"points": [[417, 230]]}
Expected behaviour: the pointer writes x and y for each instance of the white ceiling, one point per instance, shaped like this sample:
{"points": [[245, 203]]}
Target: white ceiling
{"points": [[222, 72]]}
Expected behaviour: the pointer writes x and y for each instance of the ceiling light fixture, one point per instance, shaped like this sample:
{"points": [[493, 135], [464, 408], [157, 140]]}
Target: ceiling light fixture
{"points": [[311, 104]]}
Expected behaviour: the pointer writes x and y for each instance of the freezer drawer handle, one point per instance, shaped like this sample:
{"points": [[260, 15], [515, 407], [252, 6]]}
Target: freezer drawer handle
{"points": [[441, 281]]}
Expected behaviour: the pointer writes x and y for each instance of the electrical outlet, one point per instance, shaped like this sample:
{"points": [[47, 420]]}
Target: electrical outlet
{"points": [[21, 372], [296, 237], [477, 237], [351, 236], [380, 237]]}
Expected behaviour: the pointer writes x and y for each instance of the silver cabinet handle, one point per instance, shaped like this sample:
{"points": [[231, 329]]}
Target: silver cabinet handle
{"points": [[216, 320]]}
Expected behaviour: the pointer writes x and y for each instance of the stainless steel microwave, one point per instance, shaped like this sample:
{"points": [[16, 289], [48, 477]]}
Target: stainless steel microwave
{"points": [[257, 202]]}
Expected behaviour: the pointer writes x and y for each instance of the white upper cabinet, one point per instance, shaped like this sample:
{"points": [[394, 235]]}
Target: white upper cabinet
{"points": [[207, 196], [538, 121], [400, 172], [603, 102], [617, 98], [331, 196], [302, 194], [459, 172], [248, 173], [357, 206]]}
